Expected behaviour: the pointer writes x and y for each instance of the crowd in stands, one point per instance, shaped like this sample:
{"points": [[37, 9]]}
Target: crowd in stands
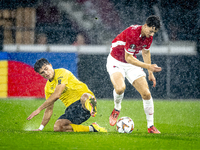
{"points": [[180, 18]]}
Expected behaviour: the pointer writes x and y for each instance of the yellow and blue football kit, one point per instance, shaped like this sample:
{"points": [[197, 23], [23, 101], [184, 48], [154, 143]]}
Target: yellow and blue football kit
{"points": [[74, 88], [70, 96]]}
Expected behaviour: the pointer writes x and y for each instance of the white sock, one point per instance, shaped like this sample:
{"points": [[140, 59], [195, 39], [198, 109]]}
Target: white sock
{"points": [[149, 111], [117, 100], [91, 129]]}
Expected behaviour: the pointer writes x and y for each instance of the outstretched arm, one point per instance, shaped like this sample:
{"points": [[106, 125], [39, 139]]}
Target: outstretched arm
{"points": [[54, 97], [132, 60], [47, 116], [147, 59]]}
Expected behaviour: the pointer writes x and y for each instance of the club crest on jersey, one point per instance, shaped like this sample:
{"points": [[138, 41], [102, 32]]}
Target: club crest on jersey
{"points": [[59, 81], [132, 46], [131, 49]]}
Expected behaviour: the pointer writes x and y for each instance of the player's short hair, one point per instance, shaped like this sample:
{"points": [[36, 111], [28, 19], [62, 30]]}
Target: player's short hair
{"points": [[39, 63], [153, 21]]}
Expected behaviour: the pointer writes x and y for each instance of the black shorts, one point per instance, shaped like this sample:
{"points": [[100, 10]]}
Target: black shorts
{"points": [[76, 113]]}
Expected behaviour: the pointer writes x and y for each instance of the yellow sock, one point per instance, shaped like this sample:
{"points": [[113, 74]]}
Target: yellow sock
{"points": [[87, 104], [80, 128]]}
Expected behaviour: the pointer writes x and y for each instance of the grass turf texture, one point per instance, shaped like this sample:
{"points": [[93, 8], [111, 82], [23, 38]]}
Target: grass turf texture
{"points": [[177, 120]]}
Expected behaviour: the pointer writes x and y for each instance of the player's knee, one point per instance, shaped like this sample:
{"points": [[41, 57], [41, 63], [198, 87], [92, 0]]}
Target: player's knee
{"points": [[146, 95], [120, 90], [84, 96], [57, 128]]}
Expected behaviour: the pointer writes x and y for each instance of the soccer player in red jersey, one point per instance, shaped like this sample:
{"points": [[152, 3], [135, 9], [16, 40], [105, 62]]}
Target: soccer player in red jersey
{"points": [[122, 62]]}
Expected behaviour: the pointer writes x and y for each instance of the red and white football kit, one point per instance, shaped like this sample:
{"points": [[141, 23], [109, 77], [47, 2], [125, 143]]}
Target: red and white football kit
{"points": [[130, 41]]}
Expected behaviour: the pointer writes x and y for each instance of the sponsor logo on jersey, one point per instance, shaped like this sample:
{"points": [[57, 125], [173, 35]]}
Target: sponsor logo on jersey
{"points": [[64, 90], [131, 50]]}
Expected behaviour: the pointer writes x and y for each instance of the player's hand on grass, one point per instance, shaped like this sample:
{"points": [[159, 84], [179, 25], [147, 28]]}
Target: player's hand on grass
{"points": [[155, 68], [36, 112]]}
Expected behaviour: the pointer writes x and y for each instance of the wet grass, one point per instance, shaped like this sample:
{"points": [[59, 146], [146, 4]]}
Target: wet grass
{"points": [[179, 122]]}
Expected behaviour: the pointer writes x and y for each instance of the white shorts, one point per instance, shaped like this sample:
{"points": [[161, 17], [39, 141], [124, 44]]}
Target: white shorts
{"points": [[129, 71]]}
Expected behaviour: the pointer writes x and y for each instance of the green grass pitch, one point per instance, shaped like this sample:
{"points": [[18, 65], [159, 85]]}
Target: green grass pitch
{"points": [[178, 121]]}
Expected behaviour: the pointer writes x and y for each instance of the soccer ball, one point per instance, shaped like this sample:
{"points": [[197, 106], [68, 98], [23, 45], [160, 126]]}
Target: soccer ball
{"points": [[125, 125]]}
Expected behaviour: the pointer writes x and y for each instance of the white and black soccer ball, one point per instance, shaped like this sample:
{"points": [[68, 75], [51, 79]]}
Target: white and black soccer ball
{"points": [[125, 125]]}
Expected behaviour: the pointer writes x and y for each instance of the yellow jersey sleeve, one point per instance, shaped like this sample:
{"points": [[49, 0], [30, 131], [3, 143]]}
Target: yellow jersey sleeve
{"points": [[74, 88]]}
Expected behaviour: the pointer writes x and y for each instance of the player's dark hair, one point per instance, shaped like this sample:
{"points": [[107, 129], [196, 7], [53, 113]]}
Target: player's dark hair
{"points": [[39, 63], [153, 21]]}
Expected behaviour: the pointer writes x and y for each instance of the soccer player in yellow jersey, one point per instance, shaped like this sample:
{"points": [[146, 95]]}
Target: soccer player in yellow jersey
{"points": [[79, 100]]}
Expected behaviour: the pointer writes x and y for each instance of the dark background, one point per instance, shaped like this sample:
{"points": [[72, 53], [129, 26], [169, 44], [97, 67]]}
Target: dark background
{"points": [[184, 77]]}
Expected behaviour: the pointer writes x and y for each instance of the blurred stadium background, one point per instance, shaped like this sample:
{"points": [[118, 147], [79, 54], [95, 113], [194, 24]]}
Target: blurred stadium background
{"points": [[31, 29]]}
